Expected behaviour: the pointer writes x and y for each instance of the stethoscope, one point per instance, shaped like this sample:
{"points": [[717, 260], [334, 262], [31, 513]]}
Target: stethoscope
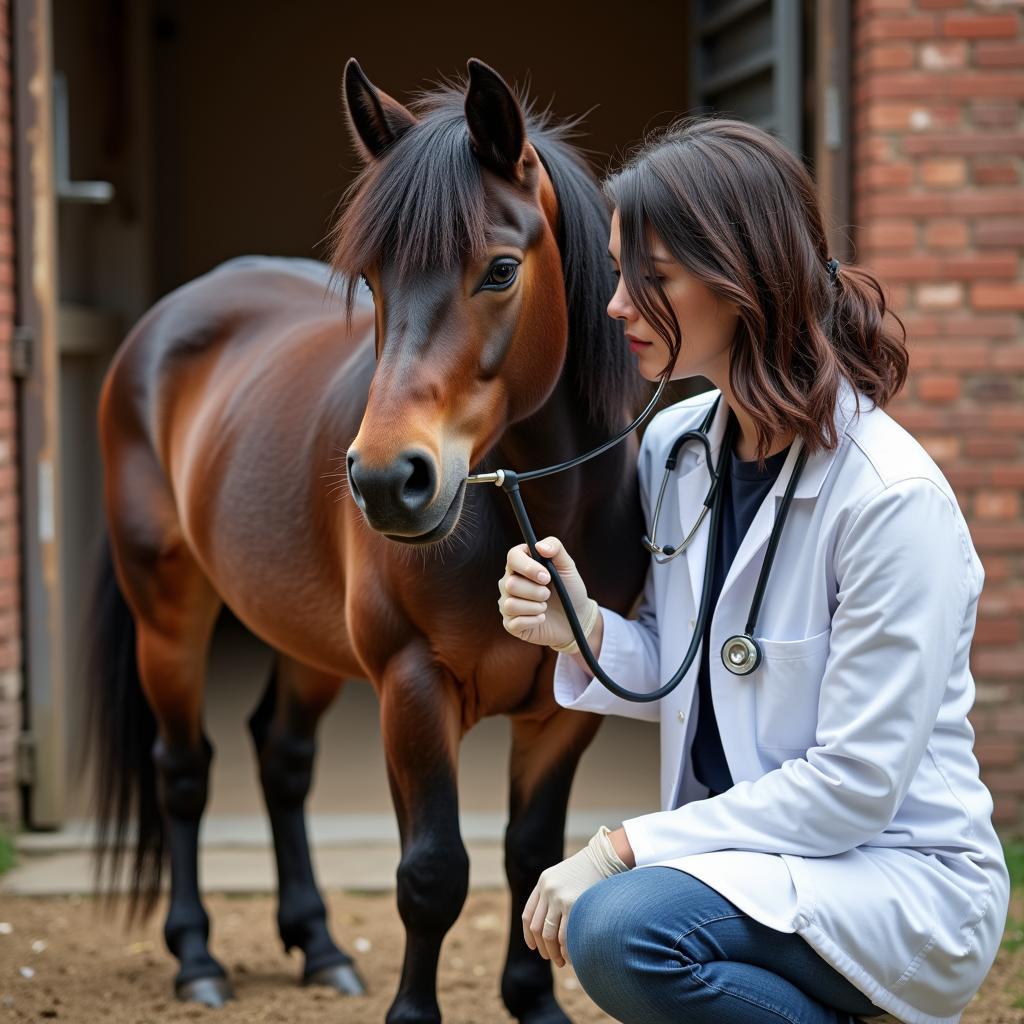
{"points": [[741, 653]]}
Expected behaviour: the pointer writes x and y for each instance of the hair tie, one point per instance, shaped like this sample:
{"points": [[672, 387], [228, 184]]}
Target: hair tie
{"points": [[833, 268]]}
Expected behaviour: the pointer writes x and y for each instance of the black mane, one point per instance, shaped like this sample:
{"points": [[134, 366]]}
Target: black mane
{"points": [[422, 206]]}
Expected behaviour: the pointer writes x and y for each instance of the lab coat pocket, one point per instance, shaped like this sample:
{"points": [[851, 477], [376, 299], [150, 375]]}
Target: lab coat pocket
{"points": [[788, 682]]}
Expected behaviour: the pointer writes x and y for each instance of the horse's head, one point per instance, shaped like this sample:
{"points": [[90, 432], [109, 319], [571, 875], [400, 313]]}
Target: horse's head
{"points": [[455, 225]]}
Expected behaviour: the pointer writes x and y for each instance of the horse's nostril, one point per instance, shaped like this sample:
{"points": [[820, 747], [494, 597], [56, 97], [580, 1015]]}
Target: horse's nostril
{"points": [[418, 487], [353, 487]]}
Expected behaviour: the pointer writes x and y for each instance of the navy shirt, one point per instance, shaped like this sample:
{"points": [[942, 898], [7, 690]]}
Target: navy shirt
{"points": [[744, 489]]}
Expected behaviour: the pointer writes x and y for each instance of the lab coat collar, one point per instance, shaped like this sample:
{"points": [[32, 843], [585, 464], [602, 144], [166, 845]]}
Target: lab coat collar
{"points": [[694, 480]]}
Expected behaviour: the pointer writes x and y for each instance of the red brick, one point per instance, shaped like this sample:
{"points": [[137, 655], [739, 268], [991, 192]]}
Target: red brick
{"points": [[935, 388], [1009, 357], [1002, 231], [890, 233], [997, 753], [1009, 720], [941, 449], [994, 172], [998, 538], [872, 30], [887, 176], [980, 26], [887, 57], [1005, 809], [944, 172], [994, 114], [999, 55], [945, 234], [1004, 264], [997, 504], [982, 143], [889, 116], [908, 268], [998, 296], [992, 325], [989, 201]]}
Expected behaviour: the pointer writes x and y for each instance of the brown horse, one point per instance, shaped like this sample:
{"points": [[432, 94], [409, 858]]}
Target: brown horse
{"points": [[484, 344]]}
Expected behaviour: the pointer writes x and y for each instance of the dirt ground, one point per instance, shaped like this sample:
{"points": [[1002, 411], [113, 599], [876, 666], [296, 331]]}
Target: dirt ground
{"points": [[60, 960]]}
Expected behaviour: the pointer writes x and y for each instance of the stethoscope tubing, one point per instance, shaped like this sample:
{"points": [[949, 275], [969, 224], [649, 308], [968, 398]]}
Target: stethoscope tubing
{"points": [[508, 480]]}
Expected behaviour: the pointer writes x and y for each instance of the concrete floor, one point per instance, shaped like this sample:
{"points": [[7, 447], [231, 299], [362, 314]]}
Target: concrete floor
{"points": [[351, 819]]}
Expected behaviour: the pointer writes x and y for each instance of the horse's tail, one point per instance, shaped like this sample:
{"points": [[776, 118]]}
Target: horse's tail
{"points": [[120, 732]]}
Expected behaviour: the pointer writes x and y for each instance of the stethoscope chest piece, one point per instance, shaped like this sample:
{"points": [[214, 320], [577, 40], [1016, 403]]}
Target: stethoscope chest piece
{"points": [[741, 655]]}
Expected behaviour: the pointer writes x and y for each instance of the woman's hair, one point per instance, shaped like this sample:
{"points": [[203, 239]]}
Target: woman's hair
{"points": [[739, 211]]}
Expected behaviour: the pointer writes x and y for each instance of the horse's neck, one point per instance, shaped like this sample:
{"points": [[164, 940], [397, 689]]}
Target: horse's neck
{"points": [[555, 433]]}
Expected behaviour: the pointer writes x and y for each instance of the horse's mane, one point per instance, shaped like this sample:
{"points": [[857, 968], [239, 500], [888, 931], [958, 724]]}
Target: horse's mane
{"points": [[422, 207]]}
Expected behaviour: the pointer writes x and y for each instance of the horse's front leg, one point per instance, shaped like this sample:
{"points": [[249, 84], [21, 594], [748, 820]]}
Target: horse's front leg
{"points": [[283, 728], [545, 753], [420, 724]]}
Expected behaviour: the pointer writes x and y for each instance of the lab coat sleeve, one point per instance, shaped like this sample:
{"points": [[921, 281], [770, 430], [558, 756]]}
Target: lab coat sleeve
{"points": [[905, 573], [630, 647]]}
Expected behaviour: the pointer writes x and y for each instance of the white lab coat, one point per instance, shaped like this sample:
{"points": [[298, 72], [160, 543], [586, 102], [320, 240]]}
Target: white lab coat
{"points": [[858, 817]]}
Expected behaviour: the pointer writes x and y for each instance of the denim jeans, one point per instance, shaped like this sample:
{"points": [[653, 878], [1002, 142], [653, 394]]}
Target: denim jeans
{"points": [[657, 946]]}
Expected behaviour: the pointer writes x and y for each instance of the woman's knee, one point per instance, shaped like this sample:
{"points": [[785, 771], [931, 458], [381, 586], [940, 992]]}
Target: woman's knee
{"points": [[616, 923]]}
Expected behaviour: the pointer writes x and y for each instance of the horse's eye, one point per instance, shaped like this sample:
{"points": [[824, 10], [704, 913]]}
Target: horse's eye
{"points": [[501, 275]]}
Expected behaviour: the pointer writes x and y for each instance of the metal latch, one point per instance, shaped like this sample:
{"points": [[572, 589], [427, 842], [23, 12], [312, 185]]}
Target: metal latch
{"points": [[25, 759], [21, 351]]}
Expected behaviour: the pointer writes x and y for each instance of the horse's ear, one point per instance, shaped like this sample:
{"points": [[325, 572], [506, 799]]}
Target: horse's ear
{"points": [[375, 118], [495, 120]]}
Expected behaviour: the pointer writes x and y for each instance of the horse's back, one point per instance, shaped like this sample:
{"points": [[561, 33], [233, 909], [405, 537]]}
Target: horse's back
{"points": [[242, 312]]}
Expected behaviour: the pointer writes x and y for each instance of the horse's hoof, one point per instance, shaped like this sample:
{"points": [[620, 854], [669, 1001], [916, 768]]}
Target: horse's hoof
{"points": [[545, 1011], [344, 978], [208, 991]]}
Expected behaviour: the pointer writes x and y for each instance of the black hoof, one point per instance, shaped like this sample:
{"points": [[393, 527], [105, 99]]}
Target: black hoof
{"points": [[208, 991], [344, 978], [545, 1011]]}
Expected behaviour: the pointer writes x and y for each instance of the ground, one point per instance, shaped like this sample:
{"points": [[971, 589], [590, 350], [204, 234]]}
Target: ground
{"points": [[60, 959]]}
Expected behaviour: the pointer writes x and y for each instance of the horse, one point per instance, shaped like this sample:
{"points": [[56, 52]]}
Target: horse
{"points": [[290, 439]]}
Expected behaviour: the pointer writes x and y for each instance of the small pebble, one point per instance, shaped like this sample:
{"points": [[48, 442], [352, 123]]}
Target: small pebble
{"points": [[487, 922], [27, 972], [6, 927], [39, 946]]}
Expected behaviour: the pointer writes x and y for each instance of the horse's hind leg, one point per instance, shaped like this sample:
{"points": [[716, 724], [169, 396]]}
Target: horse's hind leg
{"points": [[175, 610], [545, 753], [283, 728]]}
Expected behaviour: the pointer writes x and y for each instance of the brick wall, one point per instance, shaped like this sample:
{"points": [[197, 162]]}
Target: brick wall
{"points": [[938, 206], [10, 569]]}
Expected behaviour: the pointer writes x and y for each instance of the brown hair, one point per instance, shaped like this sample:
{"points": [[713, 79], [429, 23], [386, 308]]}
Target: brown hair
{"points": [[739, 211]]}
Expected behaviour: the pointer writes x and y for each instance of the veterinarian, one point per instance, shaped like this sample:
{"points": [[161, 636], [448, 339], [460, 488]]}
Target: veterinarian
{"points": [[824, 852]]}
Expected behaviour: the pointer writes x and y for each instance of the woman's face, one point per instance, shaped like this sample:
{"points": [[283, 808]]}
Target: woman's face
{"points": [[706, 322]]}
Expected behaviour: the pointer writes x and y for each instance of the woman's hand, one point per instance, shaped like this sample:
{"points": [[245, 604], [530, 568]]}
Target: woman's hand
{"points": [[547, 910], [523, 590]]}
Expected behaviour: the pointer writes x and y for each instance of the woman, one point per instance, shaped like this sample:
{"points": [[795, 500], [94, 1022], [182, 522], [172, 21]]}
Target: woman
{"points": [[825, 850]]}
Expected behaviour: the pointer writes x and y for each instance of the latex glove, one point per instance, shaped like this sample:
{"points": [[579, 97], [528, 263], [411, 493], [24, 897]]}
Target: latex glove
{"points": [[524, 602], [559, 886]]}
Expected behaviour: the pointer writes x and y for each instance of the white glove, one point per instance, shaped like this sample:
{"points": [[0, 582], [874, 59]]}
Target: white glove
{"points": [[559, 886], [524, 602]]}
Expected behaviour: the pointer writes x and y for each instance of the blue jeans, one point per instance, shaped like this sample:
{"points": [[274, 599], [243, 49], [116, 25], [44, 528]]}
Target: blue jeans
{"points": [[658, 946]]}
